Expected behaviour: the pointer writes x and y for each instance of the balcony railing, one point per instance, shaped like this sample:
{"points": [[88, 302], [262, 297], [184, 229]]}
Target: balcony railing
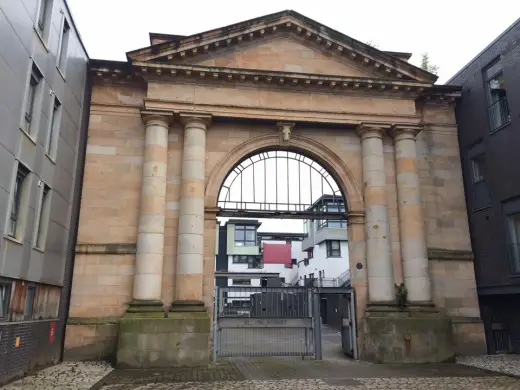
{"points": [[499, 113]]}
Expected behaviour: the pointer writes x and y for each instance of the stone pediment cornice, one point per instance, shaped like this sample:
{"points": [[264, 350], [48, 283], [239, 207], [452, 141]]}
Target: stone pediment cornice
{"points": [[149, 71], [192, 48]]}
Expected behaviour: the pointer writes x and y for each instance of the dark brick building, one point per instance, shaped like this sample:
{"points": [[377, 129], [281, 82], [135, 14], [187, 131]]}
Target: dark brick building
{"points": [[488, 116]]}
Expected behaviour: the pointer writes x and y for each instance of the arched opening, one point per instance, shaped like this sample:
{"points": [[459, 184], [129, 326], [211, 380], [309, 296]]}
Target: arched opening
{"points": [[283, 225]]}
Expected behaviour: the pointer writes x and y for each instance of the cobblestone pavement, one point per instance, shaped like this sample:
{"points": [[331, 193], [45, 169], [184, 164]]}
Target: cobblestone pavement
{"points": [[489, 383], [506, 364], [269, 374], [285, 374], [64, 376]]}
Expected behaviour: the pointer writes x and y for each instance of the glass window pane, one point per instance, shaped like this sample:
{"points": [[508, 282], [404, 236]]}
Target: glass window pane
{"points": [[29, 301], [335, 244], [250, 235], [240, 235], [514, 228]]}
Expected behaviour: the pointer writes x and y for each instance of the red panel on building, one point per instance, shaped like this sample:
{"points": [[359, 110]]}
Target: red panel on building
{"points": [[277, 253]]}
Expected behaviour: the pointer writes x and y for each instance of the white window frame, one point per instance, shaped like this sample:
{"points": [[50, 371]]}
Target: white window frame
{"points": [[28, 316], [43, 31], [53, 132], [5, 296], [42, 219], [64, 45], [23, 203]]}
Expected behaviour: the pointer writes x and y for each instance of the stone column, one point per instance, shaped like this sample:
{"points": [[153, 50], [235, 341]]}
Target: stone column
{"points": [[150, 235], [379, 261], [190, 247], [411, 223]]}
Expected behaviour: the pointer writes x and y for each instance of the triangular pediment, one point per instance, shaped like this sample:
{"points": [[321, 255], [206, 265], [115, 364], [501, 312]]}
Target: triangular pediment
{"points": [[285, 41], [285, 54]]}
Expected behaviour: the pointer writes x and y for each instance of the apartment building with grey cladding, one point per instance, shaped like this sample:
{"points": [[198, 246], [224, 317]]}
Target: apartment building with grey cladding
{"points": [[43, 119]]}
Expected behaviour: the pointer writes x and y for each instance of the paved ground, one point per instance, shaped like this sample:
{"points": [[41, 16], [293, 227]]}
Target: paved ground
{"points": [[64, 376], [285, 373], [507, 364], [272, 373], [335, 373]]}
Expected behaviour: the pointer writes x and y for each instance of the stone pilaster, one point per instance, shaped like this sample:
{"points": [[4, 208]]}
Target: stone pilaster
{"points": [[190, 248], [150, 236], [411, 223], [379, 262]]}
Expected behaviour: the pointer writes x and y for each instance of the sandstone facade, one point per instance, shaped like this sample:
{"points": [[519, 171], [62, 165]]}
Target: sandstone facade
{"points": [[166, 129]]}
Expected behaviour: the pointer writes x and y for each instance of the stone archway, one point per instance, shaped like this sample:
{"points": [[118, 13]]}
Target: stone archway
{"points": [[304, 145], [335, 166]]}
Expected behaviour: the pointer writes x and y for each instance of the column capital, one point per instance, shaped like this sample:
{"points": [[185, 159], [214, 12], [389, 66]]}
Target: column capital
{"points": [[400, 132], [161, 118], [196, 119], [372, 130]]}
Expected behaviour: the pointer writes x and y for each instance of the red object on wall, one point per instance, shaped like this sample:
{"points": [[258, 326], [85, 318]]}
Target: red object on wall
{"points": [[52, 332], [277, 253]]}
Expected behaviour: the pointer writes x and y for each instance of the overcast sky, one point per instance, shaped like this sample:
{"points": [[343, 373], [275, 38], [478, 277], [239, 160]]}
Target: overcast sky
{"points": [[451, 31]]}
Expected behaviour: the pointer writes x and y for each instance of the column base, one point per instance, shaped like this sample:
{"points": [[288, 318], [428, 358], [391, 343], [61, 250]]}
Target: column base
{"points": [[417, 333], [177, 340], [145, 306], [188, 306]]}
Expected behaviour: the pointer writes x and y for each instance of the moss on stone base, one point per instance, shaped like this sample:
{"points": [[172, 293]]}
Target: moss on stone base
{"points": [[181, 339], [408, 336]]}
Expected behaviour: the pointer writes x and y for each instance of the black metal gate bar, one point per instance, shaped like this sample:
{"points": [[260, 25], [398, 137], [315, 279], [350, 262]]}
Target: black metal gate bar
{"points": [[264, 321]]}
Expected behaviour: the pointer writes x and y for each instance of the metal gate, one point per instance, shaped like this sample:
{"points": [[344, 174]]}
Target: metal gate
{"points": [[266, 321], [348, 326]]}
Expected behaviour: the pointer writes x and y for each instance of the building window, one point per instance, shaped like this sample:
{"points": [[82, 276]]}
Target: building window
{"points": [[50, 148], [245, 235], [64, 47], [498, 107], [242, 282], [333, 248], [16, 206], [32, 92], [5, 297], [310, 253], [334, 206], [43, 15], [294, 261], [478, 168], [29, 302], [478, 172], [513, 224], [41, 231], [306, 262]]}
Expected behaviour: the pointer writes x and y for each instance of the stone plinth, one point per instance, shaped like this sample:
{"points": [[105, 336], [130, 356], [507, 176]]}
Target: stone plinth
{"points": [[412, 335], [146, 341]]}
